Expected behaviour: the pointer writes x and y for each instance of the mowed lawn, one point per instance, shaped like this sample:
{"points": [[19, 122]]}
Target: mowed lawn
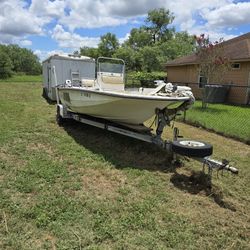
{"points": [[23, 78], [78, 187], [229, 120]]}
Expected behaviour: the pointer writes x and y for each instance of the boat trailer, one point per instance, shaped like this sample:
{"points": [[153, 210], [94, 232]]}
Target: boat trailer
{"points": [[198, 150]]}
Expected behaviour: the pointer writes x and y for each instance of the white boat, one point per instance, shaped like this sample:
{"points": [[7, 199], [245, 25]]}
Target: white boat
{"points": [[107, 98]]}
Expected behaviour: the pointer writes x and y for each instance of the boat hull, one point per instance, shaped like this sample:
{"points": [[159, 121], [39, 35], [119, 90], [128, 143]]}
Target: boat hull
{"points": [[115, 107]]}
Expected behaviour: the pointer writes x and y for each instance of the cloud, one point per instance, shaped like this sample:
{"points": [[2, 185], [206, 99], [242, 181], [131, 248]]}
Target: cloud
{"points": [[66, 20], [131, 8], [16, 21], [72, 40], [187, 12], [48, 8], [44, 54], [89, 14], [213, 34], [123, 39], [25, 43], [106, 13], [229, 15], [103, 13], [215, 18]]}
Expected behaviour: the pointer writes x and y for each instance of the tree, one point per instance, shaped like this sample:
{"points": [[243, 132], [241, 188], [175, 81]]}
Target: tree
{"points": [[90, 52], [180, 44], [213, 63], [148, 46], [15, 54], [108, 45], [22, 59], [158, 21], [139, 38], [150, 58], [127, 54], [5, 65], [29, 62]]}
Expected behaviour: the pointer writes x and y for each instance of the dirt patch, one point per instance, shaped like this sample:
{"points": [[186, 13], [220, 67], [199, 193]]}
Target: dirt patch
{"points": [[8, 159], [40, 147], [103, 184], [50, 239], [3, 156]]}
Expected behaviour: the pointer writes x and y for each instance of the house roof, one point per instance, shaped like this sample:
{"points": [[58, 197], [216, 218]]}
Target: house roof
{"points": [[236, 49]]}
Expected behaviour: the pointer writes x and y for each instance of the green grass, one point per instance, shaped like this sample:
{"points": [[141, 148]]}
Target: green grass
{"points": [[23, 78], [229, 120], [78, 187]]}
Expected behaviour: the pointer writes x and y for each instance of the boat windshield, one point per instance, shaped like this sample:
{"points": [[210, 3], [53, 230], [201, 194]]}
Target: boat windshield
{"points": [[111, 67]]}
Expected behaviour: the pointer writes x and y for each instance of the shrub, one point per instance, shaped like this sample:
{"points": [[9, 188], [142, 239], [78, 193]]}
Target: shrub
{"points": [[5, 65], [147, 78]]}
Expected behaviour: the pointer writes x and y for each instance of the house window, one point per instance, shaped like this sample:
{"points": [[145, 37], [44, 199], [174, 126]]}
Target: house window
{"points": [[235, 65], [202, 80]]}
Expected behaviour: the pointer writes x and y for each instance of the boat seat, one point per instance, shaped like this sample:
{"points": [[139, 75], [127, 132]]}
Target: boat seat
{"points": [[88, 82], [112, 82], [112, 79]]}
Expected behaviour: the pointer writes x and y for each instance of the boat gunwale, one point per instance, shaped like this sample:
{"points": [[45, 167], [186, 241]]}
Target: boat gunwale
{"points": [[123, 95]]}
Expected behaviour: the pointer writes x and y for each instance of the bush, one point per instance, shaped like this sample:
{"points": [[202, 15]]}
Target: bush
{"points": [[5, 65], [19, 60], [147, 78]]}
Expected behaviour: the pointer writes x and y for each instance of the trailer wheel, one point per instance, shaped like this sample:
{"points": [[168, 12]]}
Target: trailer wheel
{"points": [[192, 148]]}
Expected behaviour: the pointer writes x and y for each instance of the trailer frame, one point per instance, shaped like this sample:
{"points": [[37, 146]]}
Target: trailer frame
{"points": [[63, 113]]}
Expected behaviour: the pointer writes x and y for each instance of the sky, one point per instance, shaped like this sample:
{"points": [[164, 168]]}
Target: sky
{"points": [[63, 26]]}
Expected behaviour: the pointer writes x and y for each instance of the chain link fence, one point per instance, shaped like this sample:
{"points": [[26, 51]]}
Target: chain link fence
{"points": [[222, 108]]}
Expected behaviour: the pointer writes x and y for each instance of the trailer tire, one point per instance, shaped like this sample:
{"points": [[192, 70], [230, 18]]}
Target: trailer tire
{"points": [[192, 148]]}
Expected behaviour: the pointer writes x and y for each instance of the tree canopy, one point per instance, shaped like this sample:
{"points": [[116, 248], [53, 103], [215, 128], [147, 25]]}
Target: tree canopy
{"points": [[139, 38], [148, 47], [108, 45], [6, 65], [213, 62], [15, 59], [158, 22], [88, 51]]}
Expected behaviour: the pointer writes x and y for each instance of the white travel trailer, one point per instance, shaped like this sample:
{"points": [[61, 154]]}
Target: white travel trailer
{"points": [[59, 68]]}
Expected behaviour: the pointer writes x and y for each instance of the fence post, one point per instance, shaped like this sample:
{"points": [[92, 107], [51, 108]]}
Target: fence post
{"points": [[204, 101]]}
